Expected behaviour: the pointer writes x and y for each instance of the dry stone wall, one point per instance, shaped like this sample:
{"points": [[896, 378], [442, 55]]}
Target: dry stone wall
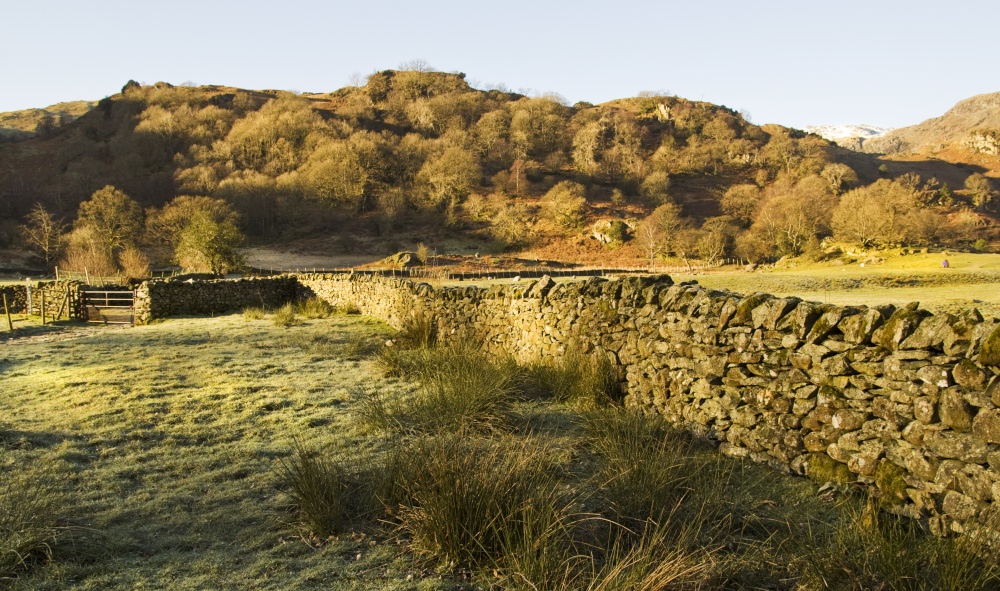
{"points": [[17, 298], [162, 299], [899, 399]]}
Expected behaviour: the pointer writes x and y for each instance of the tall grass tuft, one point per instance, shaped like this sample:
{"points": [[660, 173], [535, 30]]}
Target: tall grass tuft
{"points": [[585, 380], [316, 308], [650, 470], [328, 496], [29, 527], [254, 313], [870, 550], [285, 316], [419, 331], [653, 558], [349, 308], [461, 388], [968, 562], [465, 501]]}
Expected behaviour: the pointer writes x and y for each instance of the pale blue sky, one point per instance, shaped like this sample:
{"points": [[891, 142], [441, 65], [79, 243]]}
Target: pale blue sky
{"points": [[881, 62]]}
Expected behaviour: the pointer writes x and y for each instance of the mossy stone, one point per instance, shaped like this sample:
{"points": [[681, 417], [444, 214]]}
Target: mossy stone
{"points": [[891, 484], [823, 469], [989, 350]]}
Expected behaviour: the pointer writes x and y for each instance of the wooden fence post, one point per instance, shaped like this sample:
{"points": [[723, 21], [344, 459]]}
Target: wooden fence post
{"points": [[43, 306], [6, 310], [63, 306]]}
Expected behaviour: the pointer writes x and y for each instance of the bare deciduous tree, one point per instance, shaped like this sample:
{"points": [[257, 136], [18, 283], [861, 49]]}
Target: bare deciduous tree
{"points": [[658, 233], [114, 218], [44, 233]]}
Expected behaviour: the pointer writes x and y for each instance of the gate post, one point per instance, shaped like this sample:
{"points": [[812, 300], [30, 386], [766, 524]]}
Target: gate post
{"points": [[6, 311]]}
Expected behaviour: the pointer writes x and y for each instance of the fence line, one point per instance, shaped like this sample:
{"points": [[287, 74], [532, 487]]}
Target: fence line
{"points": [[445, 274]]}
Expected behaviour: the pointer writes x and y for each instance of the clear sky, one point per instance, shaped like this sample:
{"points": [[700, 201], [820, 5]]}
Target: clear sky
{"points": [[803, 62]]}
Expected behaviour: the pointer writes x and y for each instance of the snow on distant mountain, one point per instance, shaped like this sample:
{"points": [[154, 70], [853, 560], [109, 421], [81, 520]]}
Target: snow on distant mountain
{"points": [[836, 132]]}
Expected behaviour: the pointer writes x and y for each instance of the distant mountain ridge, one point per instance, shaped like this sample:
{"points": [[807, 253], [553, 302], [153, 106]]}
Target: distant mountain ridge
{"points": [[836, 132], [972, 124]]}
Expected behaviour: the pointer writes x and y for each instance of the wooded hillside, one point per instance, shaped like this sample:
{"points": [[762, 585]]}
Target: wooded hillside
{"points": [[416, 152]]}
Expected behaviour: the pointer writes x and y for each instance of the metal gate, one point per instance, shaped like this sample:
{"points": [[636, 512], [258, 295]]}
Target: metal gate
{"points": [[109, 307]]}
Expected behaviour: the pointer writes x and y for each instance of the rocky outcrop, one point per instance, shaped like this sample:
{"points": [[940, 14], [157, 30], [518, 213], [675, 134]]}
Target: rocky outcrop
{"points": [[983, 142]]}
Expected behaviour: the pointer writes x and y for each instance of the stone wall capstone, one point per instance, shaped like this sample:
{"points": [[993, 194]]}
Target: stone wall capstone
{"points": [[895, 398]]}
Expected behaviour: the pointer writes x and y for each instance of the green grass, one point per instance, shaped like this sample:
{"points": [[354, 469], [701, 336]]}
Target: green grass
{"points": [[466, 501], [254, 313], [169, 439], [971, 279], [898, 556]]}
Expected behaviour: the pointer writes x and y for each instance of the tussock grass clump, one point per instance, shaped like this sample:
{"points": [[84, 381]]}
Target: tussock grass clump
{"points": [[650, 470], [285, 316], [29, 521], [578, 378], [316, 308], [650, 558], [349, 308], [467, 502], [868, 549], [419, 331], [329, 496], [461, 388], [254, 313], [654, 557]]}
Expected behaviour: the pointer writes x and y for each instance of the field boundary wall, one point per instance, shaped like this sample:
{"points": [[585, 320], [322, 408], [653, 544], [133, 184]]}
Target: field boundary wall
{"points": [[899, 399]]}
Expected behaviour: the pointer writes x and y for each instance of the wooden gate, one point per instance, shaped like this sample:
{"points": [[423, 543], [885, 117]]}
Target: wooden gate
{"points": [[109, 307]]}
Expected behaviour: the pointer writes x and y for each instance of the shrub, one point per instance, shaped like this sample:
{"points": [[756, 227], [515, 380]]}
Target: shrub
{"points": [[285, 316], [316, 308], [28, 521], [328, 496], [423, 253], [134, 263]]}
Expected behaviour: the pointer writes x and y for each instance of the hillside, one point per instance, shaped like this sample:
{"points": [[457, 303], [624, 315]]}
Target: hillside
{"points": [[971, 125], [21, 125], [421, 157]]}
